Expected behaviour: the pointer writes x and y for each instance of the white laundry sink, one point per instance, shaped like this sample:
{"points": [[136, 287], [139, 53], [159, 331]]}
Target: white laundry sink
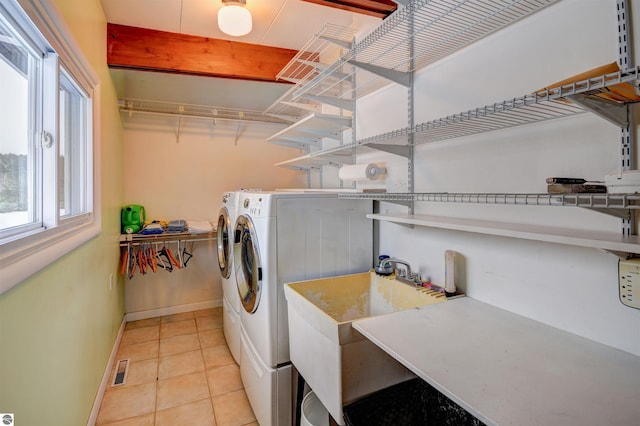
{"points": [[337, 362]]}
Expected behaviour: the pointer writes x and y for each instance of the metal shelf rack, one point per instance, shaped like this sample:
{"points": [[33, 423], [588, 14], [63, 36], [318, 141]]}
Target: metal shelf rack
{"points": [[314, 58], [586, 200], [310, 130], [620, 205], [615, 243], [139, 106], [127, 240], [531, 108], [415, 36], [425, 31]]}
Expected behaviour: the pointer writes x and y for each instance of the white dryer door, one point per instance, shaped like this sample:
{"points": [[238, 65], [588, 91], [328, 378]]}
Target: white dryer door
{"points": [[246, 256], [224, 243]]}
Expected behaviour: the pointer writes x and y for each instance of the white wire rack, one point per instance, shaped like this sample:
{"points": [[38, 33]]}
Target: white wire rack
{"points": [[328, 44], [136, 106], [310, 130], [428, 30], [603, 201], [509, 113], [317, 53], [415, 36], [544, 105], [531, 108]]}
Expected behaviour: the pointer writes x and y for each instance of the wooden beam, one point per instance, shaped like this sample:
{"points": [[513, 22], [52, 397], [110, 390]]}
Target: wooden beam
{"points": [[151, 50], [377, 8]]}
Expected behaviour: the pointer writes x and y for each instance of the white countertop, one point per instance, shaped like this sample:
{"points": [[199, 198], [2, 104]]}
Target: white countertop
{"points": [[509, 370]]}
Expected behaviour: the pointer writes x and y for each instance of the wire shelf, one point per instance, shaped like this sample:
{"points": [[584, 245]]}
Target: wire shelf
{"points": [[604, 201], [337, 157], [311, 60], [313, 56], [510, 113], [133, 106], [544, 105], [415, 36]]}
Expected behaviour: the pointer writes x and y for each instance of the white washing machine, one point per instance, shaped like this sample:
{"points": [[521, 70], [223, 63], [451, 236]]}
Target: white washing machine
{"points": [[280, 238], [230, 298]]}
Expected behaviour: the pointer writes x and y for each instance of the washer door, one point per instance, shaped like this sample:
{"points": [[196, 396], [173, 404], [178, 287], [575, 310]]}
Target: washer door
{"points": [[224, 243], [246, 255]]}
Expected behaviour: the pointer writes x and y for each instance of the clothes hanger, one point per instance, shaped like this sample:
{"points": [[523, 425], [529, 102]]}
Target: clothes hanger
{"points": [[153, 259], [125, 261], [142, 263], [132, 263], [158, 257], [172, 259], [165, 254], [186, 256]]}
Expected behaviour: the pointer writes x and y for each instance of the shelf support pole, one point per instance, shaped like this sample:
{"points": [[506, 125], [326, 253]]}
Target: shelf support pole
{"points": [[627, 137], [411, 117]]}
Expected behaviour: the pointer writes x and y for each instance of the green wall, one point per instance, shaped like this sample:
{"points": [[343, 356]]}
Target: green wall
{"points": [[58, 327]]}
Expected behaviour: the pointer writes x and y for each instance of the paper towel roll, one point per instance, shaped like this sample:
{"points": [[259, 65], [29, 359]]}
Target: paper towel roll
{"points": [[360, 172]]}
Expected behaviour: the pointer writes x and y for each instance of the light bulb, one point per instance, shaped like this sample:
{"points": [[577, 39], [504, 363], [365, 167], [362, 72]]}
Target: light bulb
{"points": [[235, 20]]}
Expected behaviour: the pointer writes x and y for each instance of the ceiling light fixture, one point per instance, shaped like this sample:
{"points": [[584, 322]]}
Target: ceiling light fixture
{"points": [[234, 18]]}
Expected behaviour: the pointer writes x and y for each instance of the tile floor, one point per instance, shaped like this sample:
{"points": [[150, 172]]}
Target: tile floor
{"points": [[180, 373]]}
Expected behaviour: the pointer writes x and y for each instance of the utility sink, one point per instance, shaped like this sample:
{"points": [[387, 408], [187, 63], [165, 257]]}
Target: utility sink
{"points": [[338, 362]]}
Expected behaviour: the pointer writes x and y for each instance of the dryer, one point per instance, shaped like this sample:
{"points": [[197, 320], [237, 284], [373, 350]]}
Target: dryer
{"points": [[230, 298], [279, 238]]}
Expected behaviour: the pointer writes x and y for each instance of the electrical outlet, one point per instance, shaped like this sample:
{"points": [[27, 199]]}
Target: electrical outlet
{"points": [[110, 281], [629, 282]]}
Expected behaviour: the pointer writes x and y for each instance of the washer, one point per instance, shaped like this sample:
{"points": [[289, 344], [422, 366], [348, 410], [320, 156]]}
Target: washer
{"points": [[230, 298], [279, 238]]}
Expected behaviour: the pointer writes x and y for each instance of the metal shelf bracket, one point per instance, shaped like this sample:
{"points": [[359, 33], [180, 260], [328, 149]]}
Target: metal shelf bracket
{"points": [[620, 254], [610, 111], [402, 151], [320, 133], [345, 104], [337, 42], [302, 106], [619, 213], [290, 140], [406, 203], [402, 78]]}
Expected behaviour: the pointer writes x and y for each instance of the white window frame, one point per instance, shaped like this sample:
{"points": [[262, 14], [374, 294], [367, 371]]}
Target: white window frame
{"points": [[32, 251]]}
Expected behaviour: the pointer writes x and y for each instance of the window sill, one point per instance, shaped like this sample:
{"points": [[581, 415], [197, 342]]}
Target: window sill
{"points": [[26, 259]]}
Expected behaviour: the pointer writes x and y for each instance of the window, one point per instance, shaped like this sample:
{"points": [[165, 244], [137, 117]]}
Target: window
{"points": [[20, 69], [47, 140], [72, 152]]}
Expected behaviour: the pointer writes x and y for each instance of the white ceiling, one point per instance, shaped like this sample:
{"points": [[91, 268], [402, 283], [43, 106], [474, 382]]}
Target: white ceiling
{"points": [[279, 23]]}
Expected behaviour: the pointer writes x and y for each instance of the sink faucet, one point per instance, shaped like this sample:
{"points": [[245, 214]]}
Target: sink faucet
{"points": [[406, 276]]}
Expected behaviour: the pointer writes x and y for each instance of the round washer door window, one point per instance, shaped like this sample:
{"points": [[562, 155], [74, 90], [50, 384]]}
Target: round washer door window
{"points": [[246, 256], [224, 243]]}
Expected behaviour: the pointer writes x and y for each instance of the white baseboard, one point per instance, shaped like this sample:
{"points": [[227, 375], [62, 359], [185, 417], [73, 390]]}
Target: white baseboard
{"points": [[106, 376], [170, 310]]}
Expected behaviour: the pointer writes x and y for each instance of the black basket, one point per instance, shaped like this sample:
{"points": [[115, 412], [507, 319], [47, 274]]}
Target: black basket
{"points": [[410, 403]]}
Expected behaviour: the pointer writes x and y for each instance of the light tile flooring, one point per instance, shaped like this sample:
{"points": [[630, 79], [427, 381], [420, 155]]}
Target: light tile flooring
{"points": [[180, 373]]}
